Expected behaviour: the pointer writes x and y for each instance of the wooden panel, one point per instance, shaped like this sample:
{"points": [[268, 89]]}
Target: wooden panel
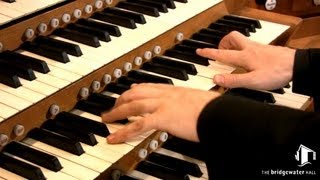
{"points": [[66, 98], [301, 8], [14, 34]]}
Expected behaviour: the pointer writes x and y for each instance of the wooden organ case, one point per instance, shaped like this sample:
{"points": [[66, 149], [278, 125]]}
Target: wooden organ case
{"points": [[13, 34]]}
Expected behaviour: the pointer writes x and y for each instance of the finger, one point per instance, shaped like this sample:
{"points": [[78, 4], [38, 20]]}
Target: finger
{"points": [[134, 108], [246, 80], [231, 57], [141, 91], [133, 129], [234, 41]]}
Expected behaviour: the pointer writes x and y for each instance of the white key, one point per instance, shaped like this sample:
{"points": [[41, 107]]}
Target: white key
{"points": [[12, 13], [13, 101], [7, 111], [118, 148], [84, 160], [70, 66], [102, 153], [201, 164], [208, 71], [132, 141], [196, 82], [18, 7], [111, 127], [280, 100], [71, 168], [27, 6], [23, 93], [4, 19], [264, 35], [9, 175], [141, 175], [55, 71], [1, 119], [51, 80], [46, 172], [38, 86]]}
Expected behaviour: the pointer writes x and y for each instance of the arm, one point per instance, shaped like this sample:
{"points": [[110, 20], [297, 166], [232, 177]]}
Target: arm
{"points": [[306, 74], [246, 137]]}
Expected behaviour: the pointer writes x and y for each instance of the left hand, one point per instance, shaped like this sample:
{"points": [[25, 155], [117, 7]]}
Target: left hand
{"points": [[163, 107]]}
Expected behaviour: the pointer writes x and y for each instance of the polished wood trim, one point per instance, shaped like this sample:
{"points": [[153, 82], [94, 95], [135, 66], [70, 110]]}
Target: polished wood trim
{"points": [[66, 98]]}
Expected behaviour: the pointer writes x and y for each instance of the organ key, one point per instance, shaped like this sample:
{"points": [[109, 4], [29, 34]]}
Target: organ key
{"points": [[63, 63]]}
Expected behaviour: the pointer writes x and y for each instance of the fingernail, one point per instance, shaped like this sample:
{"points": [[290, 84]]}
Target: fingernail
{"points": [[219, 79], [110, 138]]}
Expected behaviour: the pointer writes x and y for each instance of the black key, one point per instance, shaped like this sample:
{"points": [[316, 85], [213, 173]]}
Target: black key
{"points": [[229, 28], [160, 171], [287, 86], [160, 6], [35, 64], [89, 40], [187, 57], [69, 131], [21, 168], [91, 107], [117, 88], [278, 91], [33, 155], [251, 27], [115, 19], [188, 148], [18, 69], [151, 11], [198, 44], [213, 32], [253, 94], [85, 124], [141, 76], [108, 101], [124, 177], [101, 34], [69, 48], [255, 22], [9, 1], [112, 29], [137, 17], [189, 68], [58, 141], [165, 70], [128, 81], [9, 78], [179, 165], [46, 51], [185, 48], [182, 1], [212, 39], [170, 4]]}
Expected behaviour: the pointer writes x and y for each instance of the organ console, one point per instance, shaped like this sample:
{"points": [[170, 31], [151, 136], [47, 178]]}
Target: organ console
{"points": [[63, 62]]}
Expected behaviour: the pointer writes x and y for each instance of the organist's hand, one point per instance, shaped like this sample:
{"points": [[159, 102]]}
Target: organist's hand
{"points": [[268, 67], [163, 107]]}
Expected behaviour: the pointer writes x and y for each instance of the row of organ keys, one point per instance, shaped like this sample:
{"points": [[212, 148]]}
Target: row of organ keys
{"points": [[61, 148]]}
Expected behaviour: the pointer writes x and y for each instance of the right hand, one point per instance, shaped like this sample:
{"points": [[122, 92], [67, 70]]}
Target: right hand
{"points": [[163, 107], [268, 67]]}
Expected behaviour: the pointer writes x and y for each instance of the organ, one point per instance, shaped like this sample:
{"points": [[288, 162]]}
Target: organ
{"points": [[117, 48]]}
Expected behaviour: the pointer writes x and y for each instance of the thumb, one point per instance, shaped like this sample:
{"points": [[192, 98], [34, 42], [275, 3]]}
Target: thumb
{"points": [[233, 80]]}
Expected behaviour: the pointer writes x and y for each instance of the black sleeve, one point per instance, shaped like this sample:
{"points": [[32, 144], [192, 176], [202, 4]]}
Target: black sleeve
{"points": [[244, 138], [306, 72]]}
